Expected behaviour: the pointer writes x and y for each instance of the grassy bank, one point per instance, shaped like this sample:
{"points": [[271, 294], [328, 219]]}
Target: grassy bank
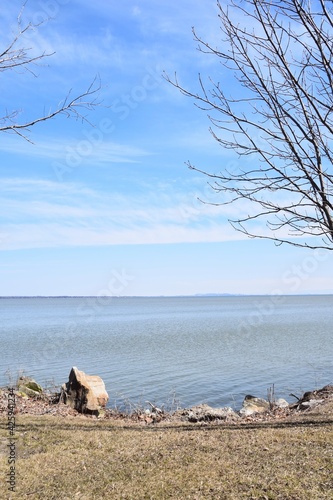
{"points": [[80, 458]]}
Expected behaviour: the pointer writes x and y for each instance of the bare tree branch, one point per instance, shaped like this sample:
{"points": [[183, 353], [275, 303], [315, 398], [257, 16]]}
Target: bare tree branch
{"points": [[280, 117], [15, 56]]}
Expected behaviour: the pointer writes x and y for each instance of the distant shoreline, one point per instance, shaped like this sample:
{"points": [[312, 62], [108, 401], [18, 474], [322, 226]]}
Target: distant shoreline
{"points": [[197, 296]]}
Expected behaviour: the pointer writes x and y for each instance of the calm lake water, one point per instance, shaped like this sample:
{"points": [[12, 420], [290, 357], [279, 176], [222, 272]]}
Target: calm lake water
{"points": [[203, 349]]}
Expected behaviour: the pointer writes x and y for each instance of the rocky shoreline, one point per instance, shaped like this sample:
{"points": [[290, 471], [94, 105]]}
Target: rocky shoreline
{"points": [[32, 399]]}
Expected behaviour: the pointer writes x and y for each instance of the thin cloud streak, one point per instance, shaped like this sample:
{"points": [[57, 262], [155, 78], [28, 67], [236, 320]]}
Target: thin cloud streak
{"points": [[31, 236], [57, 149], [46, 199], [50, 214]]}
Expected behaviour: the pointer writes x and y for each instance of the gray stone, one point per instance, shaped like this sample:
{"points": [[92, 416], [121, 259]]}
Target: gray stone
{"points": [[84, 393], [28, 386], [206, 413], [252, 405], [306, 405], [318, 394], [281, 403], [311, 399]]}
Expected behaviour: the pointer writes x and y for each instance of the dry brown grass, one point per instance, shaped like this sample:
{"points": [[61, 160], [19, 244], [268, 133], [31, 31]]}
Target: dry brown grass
{"points": [[83, 459]]}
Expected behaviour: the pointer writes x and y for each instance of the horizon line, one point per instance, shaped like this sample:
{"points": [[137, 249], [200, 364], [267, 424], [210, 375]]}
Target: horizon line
{"points": [[198, 295]]}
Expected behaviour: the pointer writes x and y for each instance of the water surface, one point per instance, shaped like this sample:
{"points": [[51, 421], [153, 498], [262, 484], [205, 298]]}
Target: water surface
{"points": [[203, 349]]}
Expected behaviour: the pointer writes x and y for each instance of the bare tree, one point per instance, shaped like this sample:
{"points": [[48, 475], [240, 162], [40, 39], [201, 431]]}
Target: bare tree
{"points": [[279, 119], [15, 56]]}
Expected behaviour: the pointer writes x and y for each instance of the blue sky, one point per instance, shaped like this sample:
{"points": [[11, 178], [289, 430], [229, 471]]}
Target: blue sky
{"points": [[112, 208]]}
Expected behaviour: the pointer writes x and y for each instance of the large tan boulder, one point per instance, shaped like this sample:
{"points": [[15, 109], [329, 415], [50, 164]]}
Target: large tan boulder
{"points": [[84, 393]]}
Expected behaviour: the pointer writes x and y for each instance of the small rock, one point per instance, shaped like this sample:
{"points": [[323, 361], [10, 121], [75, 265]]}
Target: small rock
{"points": [[281, 403], [29, 387], [252, 405], [314, 398], [207, 413], [306, 405], [22, 394]]}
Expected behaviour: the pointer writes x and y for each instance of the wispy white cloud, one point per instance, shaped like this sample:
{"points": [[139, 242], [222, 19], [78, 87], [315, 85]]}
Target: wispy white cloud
{"points": [[57, 235], [16, 186], [46, 214], [153, 202], [96, 151], [109, 48]]}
